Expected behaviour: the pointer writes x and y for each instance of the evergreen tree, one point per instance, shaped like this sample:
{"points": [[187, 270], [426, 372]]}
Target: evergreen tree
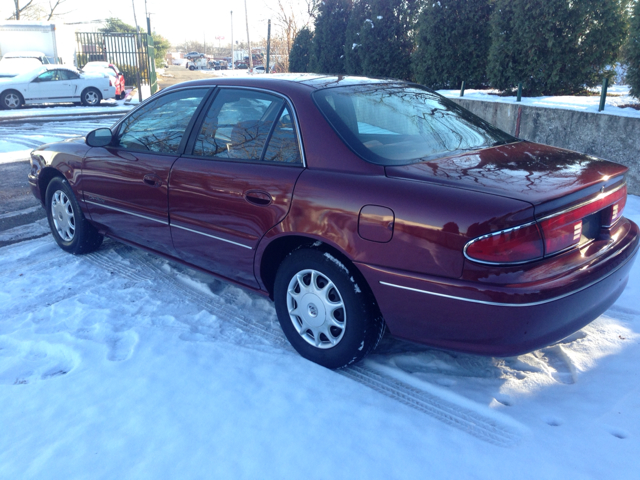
{"points": [[160, 44], [353, 42], [453, 44], [554, 46], [633, 52], [386, 38], [329, 36], [301, 51]]}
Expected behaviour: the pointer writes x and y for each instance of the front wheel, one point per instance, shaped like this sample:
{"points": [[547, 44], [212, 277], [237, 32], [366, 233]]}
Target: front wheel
{"points": [[91, 97], [71, 231], [11, 100], [326, 316]]}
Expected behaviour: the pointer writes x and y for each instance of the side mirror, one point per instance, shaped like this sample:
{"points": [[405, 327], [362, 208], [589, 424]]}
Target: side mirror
{"points": [[99, 138]]}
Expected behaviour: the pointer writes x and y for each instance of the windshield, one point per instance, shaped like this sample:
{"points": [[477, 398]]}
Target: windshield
{"points": [[399, 124]]}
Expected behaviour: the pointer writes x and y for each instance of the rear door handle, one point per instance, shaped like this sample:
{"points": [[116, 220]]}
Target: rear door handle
{"points": [[258, 197], [152, 180]]}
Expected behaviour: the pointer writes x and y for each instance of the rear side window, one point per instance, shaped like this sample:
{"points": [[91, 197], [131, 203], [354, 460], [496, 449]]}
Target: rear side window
{"points": [[238, 125], [160, 125], [283, 144], [401, 124], [249, 125], [67, 75]]}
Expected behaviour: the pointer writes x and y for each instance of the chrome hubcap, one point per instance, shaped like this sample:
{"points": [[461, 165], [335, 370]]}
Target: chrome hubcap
{"points": [[62, 214], [316, 309], [91, 97], [12, 100]]}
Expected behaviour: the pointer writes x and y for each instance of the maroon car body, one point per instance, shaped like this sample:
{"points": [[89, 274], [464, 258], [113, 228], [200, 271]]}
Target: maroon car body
{"points": [[402, 230]]}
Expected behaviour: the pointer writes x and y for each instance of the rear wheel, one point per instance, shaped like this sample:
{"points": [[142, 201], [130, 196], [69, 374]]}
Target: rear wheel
{"points": [[11, 100], [91, 97], [323, 312], [71, 231]]}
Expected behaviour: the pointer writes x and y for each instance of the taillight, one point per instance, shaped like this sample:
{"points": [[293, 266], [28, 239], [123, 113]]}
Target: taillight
{"points": [[564, 230], [560, 231], [515, 245], [111, 84]]}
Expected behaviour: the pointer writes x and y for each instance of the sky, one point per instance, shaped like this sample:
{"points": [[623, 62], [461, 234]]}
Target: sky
{"points": [[185, 20]]}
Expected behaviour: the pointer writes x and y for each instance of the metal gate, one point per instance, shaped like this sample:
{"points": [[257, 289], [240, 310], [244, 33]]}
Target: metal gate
{"points": [[132, 53]]}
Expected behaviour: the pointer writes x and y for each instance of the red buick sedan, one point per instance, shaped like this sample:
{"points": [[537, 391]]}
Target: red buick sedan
{"points": [[356, 205]]}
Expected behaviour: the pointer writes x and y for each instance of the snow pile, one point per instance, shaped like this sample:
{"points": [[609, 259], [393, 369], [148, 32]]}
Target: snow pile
{"points": [[617, 96]]}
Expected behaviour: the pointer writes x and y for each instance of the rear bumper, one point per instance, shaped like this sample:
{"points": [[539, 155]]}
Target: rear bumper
{"points": [[499, 319]]}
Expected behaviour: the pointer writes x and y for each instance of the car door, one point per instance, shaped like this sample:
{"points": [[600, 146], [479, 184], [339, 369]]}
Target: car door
{"points": [[236, 182], [46, 87], [71, 86], [125, 184]]}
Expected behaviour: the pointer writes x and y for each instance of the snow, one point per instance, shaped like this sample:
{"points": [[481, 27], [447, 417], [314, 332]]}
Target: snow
{"points": [[106, 107], [617, 96], [120, 364], [16, 145]]}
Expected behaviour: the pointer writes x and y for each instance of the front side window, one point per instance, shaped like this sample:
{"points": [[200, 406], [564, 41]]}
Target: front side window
{"points": [[399, 124], [48, 76], [160, 125], [238, 125]]}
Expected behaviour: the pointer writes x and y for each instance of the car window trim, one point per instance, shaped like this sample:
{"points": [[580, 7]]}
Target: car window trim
{"points": [[287, 103], [188, 130]]}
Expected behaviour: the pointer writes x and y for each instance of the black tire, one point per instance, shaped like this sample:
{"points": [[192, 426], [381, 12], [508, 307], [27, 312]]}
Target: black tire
{"points": [[91, 97], [11, 100], [191, 67], [71, 231], [355, 326]]}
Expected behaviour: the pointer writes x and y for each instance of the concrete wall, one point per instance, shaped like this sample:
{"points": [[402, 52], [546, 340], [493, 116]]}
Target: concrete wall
{"points": [[604, 136]]}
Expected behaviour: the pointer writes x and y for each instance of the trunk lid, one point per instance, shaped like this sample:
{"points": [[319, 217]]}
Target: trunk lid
{"points": [[549, 178]]}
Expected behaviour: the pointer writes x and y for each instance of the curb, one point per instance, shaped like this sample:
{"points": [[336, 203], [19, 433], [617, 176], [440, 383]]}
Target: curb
{"points": [[53, 116]]}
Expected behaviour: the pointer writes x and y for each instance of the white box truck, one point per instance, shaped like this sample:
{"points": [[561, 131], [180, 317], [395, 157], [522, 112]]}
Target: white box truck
{"points": [[56, 41]]}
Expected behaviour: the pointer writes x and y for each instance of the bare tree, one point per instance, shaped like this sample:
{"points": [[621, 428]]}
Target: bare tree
{"points": [[19, 10], [33, 10], [53, 7], [286, 23]]}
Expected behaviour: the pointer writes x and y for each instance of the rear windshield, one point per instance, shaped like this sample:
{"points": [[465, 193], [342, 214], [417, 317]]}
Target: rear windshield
{"points": [[400, 124]]}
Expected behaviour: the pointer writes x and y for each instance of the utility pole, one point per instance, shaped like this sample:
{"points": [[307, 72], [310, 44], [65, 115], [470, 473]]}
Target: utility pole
{"points": [[135, 19], [246, 16], [268, 44], [146, 14], [232, 55]]}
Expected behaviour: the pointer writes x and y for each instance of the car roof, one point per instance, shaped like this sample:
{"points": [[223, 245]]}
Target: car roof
{"points": [[309, 80]]}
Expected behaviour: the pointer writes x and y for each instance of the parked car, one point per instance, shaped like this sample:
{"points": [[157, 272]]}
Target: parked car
{"points": [[242, 66], [55, 84], [111, 70], [193, 55], [355, 204], [259, 69], [15, 63]]}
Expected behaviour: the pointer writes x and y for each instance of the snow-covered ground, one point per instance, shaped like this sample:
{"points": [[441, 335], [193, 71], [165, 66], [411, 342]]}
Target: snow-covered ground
{"points": [[119, 364], [617, 96], [15, 144]]}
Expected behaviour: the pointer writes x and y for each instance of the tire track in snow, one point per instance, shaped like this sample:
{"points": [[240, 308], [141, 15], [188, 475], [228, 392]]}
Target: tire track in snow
{"points": [[482, 427], [137, 265]]}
